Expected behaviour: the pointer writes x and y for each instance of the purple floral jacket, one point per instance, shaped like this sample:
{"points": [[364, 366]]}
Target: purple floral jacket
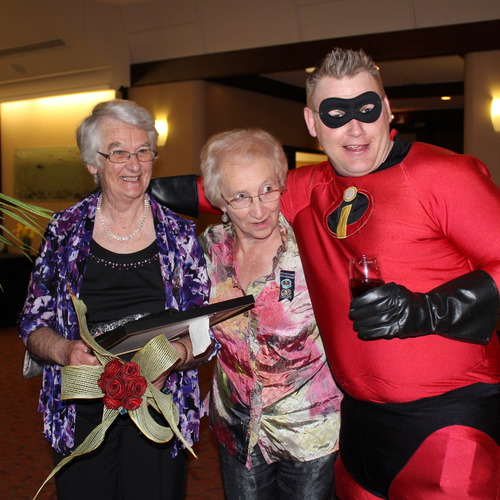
{"points": [[61, 261]]}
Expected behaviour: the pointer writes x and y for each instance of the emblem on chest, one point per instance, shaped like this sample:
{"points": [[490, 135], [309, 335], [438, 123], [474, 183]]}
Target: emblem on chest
{"points": [[350, 213]]}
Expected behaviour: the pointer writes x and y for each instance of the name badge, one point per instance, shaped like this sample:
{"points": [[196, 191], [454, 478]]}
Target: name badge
{"points": [[287, 285]]}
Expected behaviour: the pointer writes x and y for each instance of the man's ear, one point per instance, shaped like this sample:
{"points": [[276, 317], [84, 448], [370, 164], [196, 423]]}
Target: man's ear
{"points": [[309, 118], [385, 102]]}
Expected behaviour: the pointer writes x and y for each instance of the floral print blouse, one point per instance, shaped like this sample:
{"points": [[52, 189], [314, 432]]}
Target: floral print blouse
{"points": [[61, 262], [272, 386]]}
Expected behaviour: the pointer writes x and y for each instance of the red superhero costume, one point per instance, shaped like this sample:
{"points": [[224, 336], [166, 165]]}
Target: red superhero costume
{"points": [[424, 232], [421, 415]]}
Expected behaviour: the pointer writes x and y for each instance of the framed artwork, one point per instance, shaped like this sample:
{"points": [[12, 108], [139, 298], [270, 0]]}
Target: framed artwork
{"points": [[51, 174]]}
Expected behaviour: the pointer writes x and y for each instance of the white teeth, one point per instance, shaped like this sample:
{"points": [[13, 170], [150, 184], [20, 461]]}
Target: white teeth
{"points": [[129, 178], [355, 147]]}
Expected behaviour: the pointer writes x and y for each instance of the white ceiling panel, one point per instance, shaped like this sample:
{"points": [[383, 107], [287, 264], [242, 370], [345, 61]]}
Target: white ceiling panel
{"points": [[166, 43], [234, 25]]}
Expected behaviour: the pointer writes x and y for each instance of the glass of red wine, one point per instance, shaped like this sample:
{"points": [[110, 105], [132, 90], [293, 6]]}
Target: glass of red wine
{"points": [[364, 274]]}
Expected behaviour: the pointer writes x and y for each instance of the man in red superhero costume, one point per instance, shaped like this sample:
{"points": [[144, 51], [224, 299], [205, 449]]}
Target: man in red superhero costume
{"points": [[416, 357]]}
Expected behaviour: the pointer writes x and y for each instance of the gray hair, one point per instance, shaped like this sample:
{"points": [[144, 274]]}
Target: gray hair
{"points": [[241, 146], [341, 63], [88, 134]]}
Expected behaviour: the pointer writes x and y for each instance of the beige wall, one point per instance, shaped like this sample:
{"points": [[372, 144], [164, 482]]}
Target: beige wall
{"points": [[230, 107], [183, 105], [482, 84]]}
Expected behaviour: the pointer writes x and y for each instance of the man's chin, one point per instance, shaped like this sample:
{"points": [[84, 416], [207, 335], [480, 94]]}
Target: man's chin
{"points": [[355, 170]]}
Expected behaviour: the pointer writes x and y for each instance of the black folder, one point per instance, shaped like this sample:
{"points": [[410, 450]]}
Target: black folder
{"points": [[136, 334]]}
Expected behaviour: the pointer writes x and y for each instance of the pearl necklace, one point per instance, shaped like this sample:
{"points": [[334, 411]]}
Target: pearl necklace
{"points": [[131, 235]]}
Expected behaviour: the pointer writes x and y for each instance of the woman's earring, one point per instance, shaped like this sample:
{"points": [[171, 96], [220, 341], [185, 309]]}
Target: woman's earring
{"points": [[225, 218]]}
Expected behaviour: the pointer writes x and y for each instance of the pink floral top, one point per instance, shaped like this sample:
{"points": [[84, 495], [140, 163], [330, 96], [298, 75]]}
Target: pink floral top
{"points": [[272, 385]]}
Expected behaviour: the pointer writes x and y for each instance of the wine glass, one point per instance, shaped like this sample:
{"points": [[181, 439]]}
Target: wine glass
{"points": [[364, 274]]}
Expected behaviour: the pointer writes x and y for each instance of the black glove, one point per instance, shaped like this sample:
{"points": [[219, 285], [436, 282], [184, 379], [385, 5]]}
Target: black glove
{"points": [[465, 308], [179, 193]]}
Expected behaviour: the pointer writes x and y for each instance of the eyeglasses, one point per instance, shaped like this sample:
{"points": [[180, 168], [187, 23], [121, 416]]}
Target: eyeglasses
{"points": [[123, 156], [244, 201]]}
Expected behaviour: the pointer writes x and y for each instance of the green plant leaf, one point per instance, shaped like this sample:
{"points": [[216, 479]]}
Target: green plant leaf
{"points": [[23, 213]]}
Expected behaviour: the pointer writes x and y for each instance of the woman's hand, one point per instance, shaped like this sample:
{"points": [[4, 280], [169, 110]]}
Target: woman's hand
{"points": [[78, 353], [185, 353], [186, 359], [48, 345]]}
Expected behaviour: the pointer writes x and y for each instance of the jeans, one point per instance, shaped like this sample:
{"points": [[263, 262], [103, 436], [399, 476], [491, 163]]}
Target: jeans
{"points": [[283, 480]]}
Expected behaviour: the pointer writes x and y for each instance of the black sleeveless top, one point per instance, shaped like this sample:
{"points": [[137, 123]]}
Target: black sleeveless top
{"points": [[116, 285]]}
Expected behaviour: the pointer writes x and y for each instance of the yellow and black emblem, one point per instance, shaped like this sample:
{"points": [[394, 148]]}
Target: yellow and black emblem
{"points": [[351, 213]]}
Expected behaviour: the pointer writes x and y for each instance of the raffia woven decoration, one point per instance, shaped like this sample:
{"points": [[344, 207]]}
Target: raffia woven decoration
{"points": [[80, 382]]}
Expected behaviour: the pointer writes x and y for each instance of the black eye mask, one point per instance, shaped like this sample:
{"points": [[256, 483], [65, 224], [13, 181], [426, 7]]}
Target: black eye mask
{"points": [[351, 109]]}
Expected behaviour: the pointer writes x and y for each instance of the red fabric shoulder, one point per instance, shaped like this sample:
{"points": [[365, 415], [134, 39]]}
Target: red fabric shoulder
{"points": [[300, 183], [203, 204]]}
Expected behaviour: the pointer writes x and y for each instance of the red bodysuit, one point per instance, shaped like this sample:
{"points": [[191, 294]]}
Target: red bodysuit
{"points": [[429, 218]]}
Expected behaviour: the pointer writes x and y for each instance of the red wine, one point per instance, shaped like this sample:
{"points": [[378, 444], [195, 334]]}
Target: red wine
{"points": [[360, 287]]}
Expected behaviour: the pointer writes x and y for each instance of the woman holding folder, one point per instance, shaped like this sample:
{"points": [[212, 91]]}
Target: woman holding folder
{"points": [[125, 256]]}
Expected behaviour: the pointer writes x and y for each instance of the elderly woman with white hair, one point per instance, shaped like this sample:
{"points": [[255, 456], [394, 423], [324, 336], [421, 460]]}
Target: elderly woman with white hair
{"points": [[273, 404], [125, 256]]}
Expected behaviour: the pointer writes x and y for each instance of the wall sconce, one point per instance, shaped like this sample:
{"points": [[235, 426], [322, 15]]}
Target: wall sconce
{"points": [[495, 114], [161, 127]]}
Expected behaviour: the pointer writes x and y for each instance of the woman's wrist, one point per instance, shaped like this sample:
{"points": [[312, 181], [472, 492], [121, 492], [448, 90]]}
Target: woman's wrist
{"points": [[184, 353]]}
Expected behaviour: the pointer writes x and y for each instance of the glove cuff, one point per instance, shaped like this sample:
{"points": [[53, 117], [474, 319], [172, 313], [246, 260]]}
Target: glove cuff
{"points": [[465, 308]]}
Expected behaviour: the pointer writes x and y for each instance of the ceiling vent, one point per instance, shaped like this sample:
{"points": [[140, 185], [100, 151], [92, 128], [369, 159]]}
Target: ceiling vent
{"points": [[32, 47]]}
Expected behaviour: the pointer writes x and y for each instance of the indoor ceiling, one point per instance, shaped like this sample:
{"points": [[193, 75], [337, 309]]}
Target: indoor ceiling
{"points": [[406, 73], [58, 46]]}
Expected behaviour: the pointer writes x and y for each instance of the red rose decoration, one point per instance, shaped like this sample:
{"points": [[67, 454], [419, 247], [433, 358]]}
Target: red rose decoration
{"points": [[123, 385], [111, 403], [131, 403], [130, 370], [114, 388], [137, 387], [113, 368]]}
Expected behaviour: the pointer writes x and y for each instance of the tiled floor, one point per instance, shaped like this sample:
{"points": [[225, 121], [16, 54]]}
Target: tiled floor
{"points": [[25, 457]]}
